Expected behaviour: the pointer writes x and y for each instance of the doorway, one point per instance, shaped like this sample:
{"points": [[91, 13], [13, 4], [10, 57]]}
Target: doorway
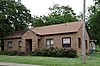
{"points": [[28, 44]]}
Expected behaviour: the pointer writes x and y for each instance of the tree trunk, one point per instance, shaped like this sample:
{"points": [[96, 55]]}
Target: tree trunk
{"points": [[2, 44]]}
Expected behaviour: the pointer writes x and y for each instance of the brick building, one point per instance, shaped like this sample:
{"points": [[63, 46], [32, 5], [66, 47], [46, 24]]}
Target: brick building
{"points": [[67, 35]]}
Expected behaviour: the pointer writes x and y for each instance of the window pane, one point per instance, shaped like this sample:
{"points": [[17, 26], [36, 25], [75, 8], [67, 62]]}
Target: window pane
{"points": [[66, 41], [10, 44], [49, 43]]}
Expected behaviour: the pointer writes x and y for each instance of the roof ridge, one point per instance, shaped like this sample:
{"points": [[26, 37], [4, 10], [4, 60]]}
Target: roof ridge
{"points": [[56, 24], [58, 28]]}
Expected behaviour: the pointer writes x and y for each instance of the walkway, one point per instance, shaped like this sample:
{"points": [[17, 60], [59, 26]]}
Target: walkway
{"points": [[15, 64]]}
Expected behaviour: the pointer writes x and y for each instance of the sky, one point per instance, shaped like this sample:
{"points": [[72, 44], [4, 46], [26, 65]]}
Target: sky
{"points": [[40, 7]]}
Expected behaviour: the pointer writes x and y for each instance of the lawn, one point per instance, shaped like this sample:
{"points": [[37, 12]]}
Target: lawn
{"points": [[93, 60]]}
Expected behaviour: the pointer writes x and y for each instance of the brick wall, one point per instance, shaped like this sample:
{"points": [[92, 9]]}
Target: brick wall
{"points": [[40, 41], [15, 43], [58, 40]]}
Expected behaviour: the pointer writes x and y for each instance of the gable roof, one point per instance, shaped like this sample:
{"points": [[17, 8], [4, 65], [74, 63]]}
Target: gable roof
{"points": [[71, 27], [58, 28], [16, 34]]}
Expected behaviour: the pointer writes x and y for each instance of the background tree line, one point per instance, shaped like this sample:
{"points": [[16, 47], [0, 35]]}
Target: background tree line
{"points": [[93, 23], [58, 14]]}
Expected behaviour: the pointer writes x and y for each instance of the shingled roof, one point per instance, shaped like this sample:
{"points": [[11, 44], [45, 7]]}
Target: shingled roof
{"points": [[16, 34], [58, 28], [51, 29]]}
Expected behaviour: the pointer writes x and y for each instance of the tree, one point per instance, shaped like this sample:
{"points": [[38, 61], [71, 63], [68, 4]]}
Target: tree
{"points": [[94, 22], [13, 17], [59, 14], [94, 27]]}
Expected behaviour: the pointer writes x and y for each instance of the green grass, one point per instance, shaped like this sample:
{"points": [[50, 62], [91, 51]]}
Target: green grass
{"points": [[93, 60], [98, 48]]}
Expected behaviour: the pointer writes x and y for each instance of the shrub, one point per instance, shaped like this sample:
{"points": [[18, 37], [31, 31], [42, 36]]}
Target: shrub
{"points": [[21, 54], [61, 53], [12, 53], [71, 53], [52, 52], [3, 52], [30, 53], [38, 52]]}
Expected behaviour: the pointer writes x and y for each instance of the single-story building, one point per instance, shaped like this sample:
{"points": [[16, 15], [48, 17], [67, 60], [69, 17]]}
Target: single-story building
{"points": [[67, 35]]}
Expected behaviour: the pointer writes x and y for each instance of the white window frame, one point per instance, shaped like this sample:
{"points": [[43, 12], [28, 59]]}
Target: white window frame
{"points": [[10, 44], [49, 42]]}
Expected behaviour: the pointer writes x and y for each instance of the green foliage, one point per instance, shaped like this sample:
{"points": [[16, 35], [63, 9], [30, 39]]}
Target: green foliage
{"points": [[93, 24], [13, 17], [3, 52], [11, 13], [52, 61], [22, 54], [71, 53], [55, 52], [10, 53], [59, 14]]}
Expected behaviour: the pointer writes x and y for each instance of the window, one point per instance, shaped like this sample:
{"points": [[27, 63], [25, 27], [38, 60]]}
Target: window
{"points": [[79, 42], [10, 44], [86, 44], [66, 42], [49, 43], [19, 44], [38, 42]]}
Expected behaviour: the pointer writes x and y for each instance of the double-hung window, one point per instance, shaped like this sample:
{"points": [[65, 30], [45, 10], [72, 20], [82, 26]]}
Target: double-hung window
{"points": [[66, 42], [10, 44], [49, 43]]}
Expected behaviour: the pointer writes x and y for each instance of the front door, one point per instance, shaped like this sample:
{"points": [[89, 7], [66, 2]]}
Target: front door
{"points": [[28, 44]]}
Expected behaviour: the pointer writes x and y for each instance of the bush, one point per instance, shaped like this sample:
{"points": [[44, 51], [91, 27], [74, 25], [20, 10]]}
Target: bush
{"points": [[71, 53], [56, 52], [21, 54], [61, 53], [12, 53], [30, 53], [3, 52], [38, 52], [51, 52]]}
